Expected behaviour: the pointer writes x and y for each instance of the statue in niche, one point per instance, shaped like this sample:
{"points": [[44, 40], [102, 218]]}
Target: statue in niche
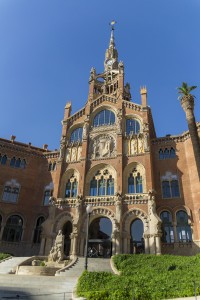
{"points": [[57, 251], [119, 121], [74, 150], [68, 152], [133, 149], [92, 74], [62, 150], [85, 130], [79, 153], [146, 141], [140, 145]]}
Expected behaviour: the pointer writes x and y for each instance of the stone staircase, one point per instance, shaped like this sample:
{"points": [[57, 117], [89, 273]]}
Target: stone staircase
{"points": [[94, 265], [8, 266]]}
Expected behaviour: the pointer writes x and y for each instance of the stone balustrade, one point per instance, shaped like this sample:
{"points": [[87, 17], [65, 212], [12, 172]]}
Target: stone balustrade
{"points": [[100, 200], [136, 198]]}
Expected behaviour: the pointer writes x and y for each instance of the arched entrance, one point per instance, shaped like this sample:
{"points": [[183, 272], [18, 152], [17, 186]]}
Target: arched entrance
{"points": [[137, 240], [100, 244], [67, 230]]}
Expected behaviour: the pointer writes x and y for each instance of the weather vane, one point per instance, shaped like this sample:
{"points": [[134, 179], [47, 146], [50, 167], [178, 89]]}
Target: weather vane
{"points": [[112, 24]]}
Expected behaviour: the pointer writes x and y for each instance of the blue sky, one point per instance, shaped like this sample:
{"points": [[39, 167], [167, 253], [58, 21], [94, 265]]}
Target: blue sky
{"points": [[48, 48]]}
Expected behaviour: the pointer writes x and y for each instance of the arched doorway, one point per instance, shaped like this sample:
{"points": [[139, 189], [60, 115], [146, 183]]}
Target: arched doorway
{"points": [[67, 230], [137, 240], [100, 244]]}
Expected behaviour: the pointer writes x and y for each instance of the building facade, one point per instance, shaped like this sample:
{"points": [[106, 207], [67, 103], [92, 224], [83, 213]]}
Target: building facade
{"points": [[144, 191]]}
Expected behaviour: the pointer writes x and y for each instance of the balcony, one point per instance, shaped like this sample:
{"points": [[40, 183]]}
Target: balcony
{"points": [[100, 200], [136, 198]]}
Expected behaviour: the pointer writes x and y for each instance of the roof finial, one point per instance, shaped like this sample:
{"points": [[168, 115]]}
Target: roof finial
{"points": [[112, 24]]}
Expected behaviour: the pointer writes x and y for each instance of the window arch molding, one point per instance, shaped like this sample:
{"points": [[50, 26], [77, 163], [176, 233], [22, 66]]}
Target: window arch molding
{"points": [[72, 130], [138, 168], [183, 208], [13, 232], [138, 119], [71, 178], [100, 108], [101, 168]]}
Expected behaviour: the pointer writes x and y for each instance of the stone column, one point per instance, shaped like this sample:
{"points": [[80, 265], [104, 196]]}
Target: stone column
{"points": [[158, 244], [146, 244], [73, 249]]}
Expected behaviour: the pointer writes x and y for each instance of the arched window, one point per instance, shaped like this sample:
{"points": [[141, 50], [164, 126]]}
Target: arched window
{"points": [[23, 164], [104, 117], [183, 228], [131, 186], [110, 186], [13, 229], [4, 160], [76, 135], [102, 184], [166, 153], [172, 153], [12, 162], [132, 126], [93, 187], [167, 227], [161, 155], [18, 163], [71, 187], [50, 166], [54, 166], [135, 183], [10, 193], [38, 230]]}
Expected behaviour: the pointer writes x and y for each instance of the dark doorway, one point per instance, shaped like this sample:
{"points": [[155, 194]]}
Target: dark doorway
{"points": [[137, 240], [67, 230], [100, 231]]}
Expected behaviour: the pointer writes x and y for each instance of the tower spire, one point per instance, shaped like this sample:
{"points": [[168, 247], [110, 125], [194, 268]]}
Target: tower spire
{"points": [[111, 57], [112, 40]]}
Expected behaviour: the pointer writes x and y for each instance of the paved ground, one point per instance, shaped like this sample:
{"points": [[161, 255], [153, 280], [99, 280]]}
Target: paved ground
{"points": [[44, 287]]}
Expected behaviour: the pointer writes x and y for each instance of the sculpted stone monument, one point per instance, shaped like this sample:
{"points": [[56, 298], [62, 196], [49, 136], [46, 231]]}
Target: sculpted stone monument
{"points": [[57, 251]]}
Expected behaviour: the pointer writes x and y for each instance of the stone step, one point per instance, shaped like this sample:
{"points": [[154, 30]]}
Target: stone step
{"points": [[9, 265]]}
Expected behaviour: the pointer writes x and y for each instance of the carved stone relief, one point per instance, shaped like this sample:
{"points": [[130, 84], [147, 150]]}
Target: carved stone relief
{"points": [[136, 144], [102, 146], [73, 154]]}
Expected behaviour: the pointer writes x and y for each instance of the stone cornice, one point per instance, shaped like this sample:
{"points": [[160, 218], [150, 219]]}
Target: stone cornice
{"points": [[174, 138], [20, 147]]}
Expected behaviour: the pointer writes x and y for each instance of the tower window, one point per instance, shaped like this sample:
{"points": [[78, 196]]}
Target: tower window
{"points": [[132, 126], [76, 135], [104, 117]]}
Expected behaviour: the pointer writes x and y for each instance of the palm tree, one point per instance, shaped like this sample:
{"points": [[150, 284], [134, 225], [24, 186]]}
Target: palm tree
{"points": [[187, 103], [185, 90]]}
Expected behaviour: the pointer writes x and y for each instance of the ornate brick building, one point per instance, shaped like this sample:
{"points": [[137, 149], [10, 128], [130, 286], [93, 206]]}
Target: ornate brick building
{"points": [[144, 190]]}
